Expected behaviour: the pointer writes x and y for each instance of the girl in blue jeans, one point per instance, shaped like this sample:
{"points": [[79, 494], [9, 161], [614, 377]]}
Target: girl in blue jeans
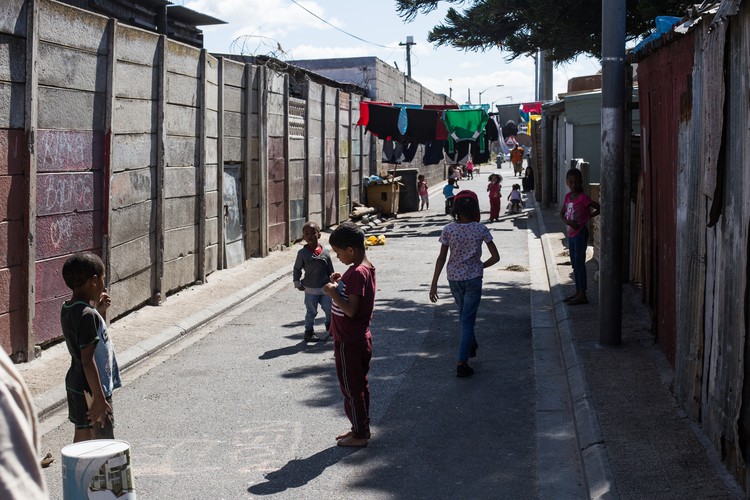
{"points": [[464, 239], [576, 211]]}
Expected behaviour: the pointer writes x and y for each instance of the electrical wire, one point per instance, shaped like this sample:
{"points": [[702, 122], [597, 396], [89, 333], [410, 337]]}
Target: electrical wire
{"points": [[339, 29]]}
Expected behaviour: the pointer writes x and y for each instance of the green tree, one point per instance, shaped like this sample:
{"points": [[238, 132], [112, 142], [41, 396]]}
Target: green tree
{"points": [[564, 29]]}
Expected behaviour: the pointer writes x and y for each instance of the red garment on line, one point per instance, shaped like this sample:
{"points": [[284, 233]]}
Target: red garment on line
{"points": [[364, 111]]}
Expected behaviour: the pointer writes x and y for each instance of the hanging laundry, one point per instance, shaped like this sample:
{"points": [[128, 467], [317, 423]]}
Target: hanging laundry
{"points": [[393, 151], [532, 107], [384, 121], [491, 132], [399, 151], [433, 152], [364, 111], [410, 151], [441, 133], [465, 124], [422, 125]]}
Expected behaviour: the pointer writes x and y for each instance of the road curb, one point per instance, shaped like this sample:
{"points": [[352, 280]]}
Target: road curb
{"points": [[598, 476], [56, 397]]}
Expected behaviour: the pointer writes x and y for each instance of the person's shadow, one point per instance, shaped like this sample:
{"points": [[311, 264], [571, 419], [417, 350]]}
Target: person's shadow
{"points": [[299, 471]]}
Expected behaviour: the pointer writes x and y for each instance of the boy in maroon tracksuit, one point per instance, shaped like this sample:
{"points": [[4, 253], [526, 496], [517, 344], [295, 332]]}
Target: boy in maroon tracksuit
{"points": [[353, 296]]}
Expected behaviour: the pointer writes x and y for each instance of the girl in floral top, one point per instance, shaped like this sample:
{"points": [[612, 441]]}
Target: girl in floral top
{"points": [[464, 239]]}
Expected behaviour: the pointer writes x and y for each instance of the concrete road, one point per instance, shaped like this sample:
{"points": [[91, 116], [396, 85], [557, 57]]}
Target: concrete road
{"points": [[244, 408]]}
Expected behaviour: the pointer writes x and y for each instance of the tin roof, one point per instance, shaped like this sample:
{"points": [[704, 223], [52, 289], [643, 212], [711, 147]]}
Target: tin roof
{"points": [[192, 17]]}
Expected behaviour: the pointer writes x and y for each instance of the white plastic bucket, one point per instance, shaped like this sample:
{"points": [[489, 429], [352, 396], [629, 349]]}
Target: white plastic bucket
{"points": [[97, 469]]}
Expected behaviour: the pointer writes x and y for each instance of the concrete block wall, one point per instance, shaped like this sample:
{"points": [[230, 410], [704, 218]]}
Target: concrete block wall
{"points": [[134, 168], [330, 157], [297, 166], [13, 286], [71, 65], [315, 160], [344, 154], [278, 205], [136, 140]]}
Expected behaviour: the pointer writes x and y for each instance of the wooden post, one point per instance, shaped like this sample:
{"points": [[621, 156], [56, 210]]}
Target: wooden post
{"points": [[31, 115], [108, 140], [161, 164], [263, 158], [201, 183], [220, 255]]}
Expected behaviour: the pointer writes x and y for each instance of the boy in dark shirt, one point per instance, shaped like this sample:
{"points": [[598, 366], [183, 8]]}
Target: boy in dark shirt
{"points": [[93, 373], [353, 296], [314, 260]]}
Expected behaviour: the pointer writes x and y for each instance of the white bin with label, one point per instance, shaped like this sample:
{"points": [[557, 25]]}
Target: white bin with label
{"points": [[97, 469]]}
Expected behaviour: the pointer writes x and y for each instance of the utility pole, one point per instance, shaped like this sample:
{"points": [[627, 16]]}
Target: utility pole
{"points": [[408, 44], [545, 76], [612, 196]]}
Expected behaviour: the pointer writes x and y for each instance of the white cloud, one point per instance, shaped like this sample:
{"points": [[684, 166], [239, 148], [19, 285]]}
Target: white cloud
{"points": [[272, 18]]}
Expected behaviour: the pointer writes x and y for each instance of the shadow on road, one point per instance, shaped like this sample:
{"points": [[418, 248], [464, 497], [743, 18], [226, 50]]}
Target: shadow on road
{"points": [[292, 349], [300, 471]]}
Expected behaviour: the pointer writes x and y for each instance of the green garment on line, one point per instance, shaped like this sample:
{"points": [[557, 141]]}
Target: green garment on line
{"points": [[465, 125]]}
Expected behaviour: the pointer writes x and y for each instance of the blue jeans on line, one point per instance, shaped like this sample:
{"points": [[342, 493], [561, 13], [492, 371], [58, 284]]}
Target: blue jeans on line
{"points": [[467, 294], [577, 249], [311, 304]]}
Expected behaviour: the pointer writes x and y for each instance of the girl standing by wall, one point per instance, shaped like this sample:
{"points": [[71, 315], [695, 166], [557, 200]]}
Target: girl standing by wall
{"points": [[576, 211]]}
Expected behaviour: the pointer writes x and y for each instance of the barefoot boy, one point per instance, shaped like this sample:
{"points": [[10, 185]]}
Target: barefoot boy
{"points": [[93, 373], [353, 297]]}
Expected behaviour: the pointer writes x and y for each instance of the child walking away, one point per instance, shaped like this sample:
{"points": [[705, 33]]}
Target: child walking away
{"points": [[316, 262], [353, 297], [576, 211], [93, 373], [469, 169], [464, 239], [424, 195], [516, 158], [493, 188], [515, 199], [448, 193]]}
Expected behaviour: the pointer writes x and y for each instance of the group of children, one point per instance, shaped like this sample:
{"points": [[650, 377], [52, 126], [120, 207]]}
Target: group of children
{"points": [[347, 301]]}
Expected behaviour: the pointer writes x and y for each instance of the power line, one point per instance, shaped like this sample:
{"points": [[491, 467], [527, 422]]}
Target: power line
{"points": [[339, 29]]}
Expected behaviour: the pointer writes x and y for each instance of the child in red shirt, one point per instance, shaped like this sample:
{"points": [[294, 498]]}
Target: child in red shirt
{"points": [[353, 296]]}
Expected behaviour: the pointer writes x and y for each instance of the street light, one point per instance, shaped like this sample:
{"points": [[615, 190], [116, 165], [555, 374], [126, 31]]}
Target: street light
{"points": [[485, 90], [450, 88]]}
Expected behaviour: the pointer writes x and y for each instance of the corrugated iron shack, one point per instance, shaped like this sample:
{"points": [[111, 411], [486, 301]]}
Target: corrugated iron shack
{"points": [[694, 95]]}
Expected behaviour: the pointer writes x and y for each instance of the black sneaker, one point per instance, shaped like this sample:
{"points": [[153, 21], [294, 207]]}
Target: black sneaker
{"points": [[310, 336], [474, 347], [464, 370]]}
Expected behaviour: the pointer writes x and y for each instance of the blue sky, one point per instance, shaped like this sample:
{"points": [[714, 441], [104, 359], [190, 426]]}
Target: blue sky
{"points": [[285, 30]]}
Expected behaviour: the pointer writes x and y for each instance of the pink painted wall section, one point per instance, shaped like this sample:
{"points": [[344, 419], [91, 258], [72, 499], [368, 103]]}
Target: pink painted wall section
{"points": [[69, 150], [70, 201], [12, 332]]}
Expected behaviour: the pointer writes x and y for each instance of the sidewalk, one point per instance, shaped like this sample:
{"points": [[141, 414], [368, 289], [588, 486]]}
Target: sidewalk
{"points": [[635, 440]]}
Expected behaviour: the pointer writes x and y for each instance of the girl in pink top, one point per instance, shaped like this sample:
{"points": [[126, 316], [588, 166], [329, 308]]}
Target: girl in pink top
{"points": [[576, 211]]}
